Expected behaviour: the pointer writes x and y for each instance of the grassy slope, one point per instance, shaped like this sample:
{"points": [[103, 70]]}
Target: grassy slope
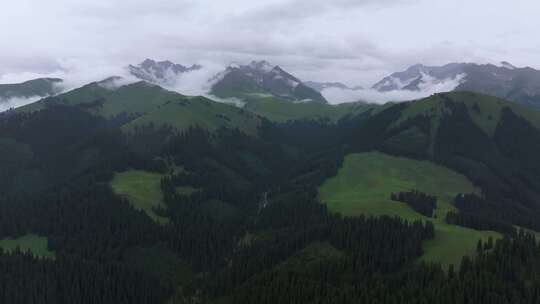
{"points": [[159, 106], [139, 97], [155, 105], [142, 189], [36, 244], [486, 118], [35, 87], [199, 111], [364, 185], [279, 110]]}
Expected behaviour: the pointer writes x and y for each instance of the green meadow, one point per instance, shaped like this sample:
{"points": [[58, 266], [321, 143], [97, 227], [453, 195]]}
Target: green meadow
{"points": [[143, 191], [30, 242], [365, 182]]}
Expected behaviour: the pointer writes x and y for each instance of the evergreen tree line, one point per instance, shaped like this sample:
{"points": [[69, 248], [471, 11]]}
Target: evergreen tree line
{"points": [[302, 222], [25, 279], [483, 214], [479, 222], [503, 273], [422, 203]]}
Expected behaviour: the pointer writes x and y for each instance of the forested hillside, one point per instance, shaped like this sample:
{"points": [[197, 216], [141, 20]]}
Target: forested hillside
{"points": [[147, 196]]}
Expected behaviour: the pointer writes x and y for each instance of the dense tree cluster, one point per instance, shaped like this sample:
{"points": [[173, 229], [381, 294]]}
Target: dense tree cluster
{"points": [[422, 203], [479, 222], [25, 279], [484, 214], [505, 272]]}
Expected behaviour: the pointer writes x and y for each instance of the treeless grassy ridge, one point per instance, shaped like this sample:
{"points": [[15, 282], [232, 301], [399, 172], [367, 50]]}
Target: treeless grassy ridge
{"points": [[364, 185]]}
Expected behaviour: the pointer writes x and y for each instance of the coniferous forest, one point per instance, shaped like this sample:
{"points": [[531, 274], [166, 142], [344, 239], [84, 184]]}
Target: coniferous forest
{"points": [[253, 228]]}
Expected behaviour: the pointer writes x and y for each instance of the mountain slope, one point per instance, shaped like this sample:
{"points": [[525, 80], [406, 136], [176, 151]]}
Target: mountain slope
{"points": [[494, 143], [485, 111], [109, 97], [363, 186], [184, 112], [418, 76], [40, 87], [263, 78], [146, 103], [244, 221], [278, 110]]}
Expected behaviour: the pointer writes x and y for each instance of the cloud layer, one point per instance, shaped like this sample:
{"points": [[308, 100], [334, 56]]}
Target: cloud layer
{"points": [[15, 102]]}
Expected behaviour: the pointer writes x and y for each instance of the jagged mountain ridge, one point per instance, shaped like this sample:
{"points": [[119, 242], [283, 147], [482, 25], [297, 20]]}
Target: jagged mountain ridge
{"points": [[260, 77], [521, 85], [257, 77], [160, 72]]}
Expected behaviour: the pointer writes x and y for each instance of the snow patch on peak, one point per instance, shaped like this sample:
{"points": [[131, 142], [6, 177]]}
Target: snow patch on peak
{"points": [[293, 83], [234, 65], [431, 84], [115, 82], [263, 66], [425, 85], [507, 65]]}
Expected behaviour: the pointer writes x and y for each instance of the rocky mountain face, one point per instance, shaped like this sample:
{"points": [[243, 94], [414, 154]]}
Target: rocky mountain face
{"points": [[521, 85], [160, 72], [419, 76], [260, 77]]}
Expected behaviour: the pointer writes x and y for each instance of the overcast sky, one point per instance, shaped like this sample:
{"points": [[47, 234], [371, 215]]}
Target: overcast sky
{"points": [[353, 41]]}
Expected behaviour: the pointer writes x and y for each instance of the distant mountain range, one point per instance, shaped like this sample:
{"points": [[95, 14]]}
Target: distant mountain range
{"points": [[160, 72], [260, 80], [521, 85], [258, 77], [321, 86]]}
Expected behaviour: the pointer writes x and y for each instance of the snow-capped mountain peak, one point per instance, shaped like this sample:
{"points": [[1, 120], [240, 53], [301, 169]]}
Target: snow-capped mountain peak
{"points": [[267, 78], [419, 77]]}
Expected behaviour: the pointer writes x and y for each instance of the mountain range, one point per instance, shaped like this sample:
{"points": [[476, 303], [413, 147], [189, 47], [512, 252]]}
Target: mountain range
{"points": [[521, 85], [259, 80], [258, 77], [164, 73], [124, 191]]}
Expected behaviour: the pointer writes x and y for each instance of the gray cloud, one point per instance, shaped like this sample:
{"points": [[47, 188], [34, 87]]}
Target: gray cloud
{"points": [[15, 102], [296, 11]]}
